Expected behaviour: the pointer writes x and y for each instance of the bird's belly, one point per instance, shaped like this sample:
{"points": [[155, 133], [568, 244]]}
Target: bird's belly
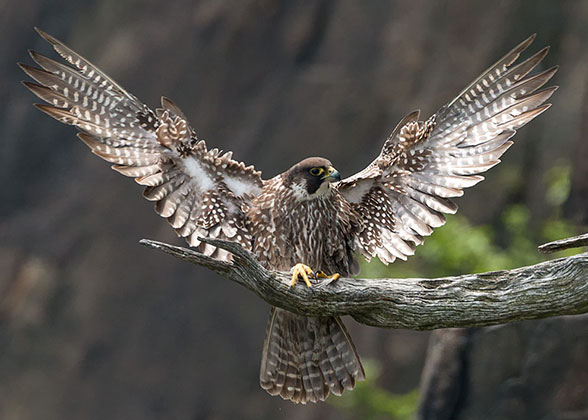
{"points": [[310, 232], [304, 242]]}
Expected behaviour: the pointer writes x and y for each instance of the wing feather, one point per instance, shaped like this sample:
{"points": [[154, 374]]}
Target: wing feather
{"points": [[199, 191], [405, 192]]}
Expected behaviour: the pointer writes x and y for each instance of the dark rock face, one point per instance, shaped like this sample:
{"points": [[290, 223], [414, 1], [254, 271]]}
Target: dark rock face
{"points": [[92, 325], [527, 370]]}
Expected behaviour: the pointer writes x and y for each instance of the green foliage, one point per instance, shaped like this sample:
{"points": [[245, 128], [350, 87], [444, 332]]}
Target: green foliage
{"points": [[459, 247], [558, 180], [370, 402]]}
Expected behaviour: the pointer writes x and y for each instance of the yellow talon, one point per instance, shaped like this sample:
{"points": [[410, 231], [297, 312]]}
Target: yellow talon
{"points": [[303, 271], [322, 275]]}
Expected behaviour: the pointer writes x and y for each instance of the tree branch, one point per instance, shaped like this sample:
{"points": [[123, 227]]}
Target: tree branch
{"points": [[573, 242], [556, 287]]}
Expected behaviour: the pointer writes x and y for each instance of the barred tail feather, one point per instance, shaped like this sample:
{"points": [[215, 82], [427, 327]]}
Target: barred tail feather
{"points": [[304, 359]]}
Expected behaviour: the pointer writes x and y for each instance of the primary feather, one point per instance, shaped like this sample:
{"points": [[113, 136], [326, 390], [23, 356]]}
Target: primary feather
{"points": [[201, 192], [405, 192]]}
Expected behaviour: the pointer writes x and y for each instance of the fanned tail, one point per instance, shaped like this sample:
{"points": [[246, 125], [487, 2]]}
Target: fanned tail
{"points": [[304, 359]]}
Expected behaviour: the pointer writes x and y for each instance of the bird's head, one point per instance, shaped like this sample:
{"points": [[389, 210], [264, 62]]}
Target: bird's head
{"points": [[311, 178]]}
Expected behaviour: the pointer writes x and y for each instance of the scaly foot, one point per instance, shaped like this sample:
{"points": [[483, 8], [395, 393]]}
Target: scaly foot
{"points": [[322, 275], [303, 271]]}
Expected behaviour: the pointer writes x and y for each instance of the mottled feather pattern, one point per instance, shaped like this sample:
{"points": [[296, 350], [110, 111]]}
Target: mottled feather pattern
{"points": [[305, 358], [379, 235], [172, 130], [424, 164], [311, 231], [201, 192]]}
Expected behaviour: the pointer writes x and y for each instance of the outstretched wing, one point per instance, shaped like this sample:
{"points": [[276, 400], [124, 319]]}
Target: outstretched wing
{"points": [[201, 192], [403, 194]]}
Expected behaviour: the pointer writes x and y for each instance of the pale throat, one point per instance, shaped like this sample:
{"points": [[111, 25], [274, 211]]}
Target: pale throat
{"points": [[300, 191]]}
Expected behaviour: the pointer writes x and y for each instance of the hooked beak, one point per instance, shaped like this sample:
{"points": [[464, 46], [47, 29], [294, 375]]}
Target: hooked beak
{"points": [[332, 175]]}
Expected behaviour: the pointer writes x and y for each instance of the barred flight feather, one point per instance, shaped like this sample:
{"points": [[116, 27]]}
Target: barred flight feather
{"points": [[424, 164], [152, 147]]}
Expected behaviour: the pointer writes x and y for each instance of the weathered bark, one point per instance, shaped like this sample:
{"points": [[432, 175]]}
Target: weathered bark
{"points": [[556, 287], [573, 242]]}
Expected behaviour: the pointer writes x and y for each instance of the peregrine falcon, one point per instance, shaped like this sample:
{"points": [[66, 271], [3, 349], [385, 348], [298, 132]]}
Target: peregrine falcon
{"points": [[306, 220]]}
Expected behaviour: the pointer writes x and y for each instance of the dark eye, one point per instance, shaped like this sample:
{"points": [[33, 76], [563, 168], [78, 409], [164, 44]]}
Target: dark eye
{"points": [[316, 171]]}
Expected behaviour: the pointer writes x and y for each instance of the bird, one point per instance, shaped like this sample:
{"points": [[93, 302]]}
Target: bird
{"points": [[307, 221]]}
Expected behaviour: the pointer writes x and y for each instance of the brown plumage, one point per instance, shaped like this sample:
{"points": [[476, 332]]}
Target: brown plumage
{"points": [[306, 214], [301, 217]]}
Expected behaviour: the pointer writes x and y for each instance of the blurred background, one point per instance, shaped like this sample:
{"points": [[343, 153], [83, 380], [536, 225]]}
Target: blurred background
{"points": [[95, 326]]}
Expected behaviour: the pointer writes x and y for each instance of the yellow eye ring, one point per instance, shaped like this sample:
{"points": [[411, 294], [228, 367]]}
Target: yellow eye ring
{"points": [[316, 171]]}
